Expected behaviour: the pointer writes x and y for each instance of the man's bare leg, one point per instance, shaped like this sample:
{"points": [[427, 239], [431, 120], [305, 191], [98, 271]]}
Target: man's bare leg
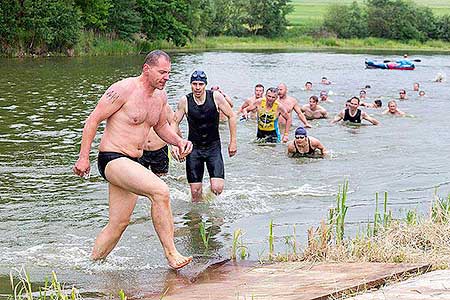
{"points": [[196, 191], [133, 177], [121, 206]]}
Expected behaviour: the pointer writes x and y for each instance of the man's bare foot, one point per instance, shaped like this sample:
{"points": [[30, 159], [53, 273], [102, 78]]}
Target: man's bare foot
{"points": [[177, 261]]}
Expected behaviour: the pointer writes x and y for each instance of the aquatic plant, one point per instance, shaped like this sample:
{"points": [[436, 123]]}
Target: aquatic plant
{"points": [[337, 215], [122, 295], [271, 247], [22, 288], [204, 234], [238, 244], [440, 210]]}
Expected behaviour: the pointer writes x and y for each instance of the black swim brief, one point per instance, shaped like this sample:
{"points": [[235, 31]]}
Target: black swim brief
{"points": [[267, 136], [157, 160], [105, 157], [211, 155]]}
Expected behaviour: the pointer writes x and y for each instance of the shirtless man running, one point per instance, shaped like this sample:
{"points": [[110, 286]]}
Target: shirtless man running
{"points": [[291, 104], [131, 107], [313, 110]]}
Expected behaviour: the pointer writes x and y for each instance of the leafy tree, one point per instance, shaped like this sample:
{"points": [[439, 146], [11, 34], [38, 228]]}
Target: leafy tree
{"points": [[267, 17], [163, 20], [228, 17], [442, 30], [48, 25], [199, 17], [124, 19], [9, 14], [94, 13], [400, 20], [346, 21]]}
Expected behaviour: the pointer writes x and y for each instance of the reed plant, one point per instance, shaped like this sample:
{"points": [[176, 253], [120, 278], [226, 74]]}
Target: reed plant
{"points": [[22, 288], [238, 245], [271, 240], [204, 234]]}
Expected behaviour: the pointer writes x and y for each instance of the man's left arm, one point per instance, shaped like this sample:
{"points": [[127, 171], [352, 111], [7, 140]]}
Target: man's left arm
{"points": [[372, 120], [169, 135], [225, 107], [283, 112]]}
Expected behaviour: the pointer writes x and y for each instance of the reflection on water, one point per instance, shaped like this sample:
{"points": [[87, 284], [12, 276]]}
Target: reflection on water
{"points": [[50, 217]]}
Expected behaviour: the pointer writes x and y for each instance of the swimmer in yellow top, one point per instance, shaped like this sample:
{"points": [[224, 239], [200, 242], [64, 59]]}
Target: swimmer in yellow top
{"points": [[268, 110]]}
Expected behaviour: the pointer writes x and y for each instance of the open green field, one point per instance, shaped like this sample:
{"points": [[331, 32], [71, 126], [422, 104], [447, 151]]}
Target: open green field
{"points": [[310, 12]]}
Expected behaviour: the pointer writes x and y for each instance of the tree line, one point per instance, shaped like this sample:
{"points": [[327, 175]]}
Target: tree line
{"points": [[42, 26], [390, 19]]}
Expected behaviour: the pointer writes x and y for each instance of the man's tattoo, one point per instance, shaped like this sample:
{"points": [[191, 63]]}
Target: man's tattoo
{"points": [[112, 96]]}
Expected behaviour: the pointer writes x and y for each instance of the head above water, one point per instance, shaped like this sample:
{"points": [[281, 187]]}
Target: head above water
{"points": [[300, 131], [156, 69], [259, 90], [378, 103], [199, 76], [282, 90], [271, 95], [153, 57]]}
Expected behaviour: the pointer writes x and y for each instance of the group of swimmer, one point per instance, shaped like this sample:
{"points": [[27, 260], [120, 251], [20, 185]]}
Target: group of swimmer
{"points": [[133, 151]]}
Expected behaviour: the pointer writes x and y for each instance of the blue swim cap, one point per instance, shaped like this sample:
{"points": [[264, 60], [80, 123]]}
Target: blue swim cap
{"points": [[199, 75], [300, 131]]}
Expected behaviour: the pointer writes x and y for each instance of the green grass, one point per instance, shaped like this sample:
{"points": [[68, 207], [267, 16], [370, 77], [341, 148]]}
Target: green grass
{"points": [[308, 13]]}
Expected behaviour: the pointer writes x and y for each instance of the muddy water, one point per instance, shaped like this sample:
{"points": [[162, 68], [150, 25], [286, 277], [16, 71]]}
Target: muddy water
{"points": [[49, 218]]}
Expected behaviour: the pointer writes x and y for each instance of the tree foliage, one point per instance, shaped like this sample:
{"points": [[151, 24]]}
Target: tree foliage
{"points": [[347, 21], [124, 19]]}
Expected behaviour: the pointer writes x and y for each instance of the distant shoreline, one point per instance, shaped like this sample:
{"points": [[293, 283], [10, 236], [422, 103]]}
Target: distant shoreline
{"points": [[103, 46]]}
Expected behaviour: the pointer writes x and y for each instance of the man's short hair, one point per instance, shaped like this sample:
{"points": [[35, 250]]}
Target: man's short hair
{"points": [[308, 82], [378, 103], [259, 85], [152, 58], [272, 90], [362, 92], [359, 101], [314, 98]]}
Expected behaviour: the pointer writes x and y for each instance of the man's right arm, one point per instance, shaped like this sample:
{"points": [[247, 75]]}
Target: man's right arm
{"points": [[338, 117], [179, 115], [111, 101]]}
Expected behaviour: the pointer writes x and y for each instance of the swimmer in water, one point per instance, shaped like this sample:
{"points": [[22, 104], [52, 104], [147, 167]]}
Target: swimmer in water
{"points": [[305, 146], [313, 110], [353, 114], [393, 109]]}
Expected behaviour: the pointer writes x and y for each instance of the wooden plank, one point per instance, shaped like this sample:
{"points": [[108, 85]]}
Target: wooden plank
{"points": [[294, 280]]}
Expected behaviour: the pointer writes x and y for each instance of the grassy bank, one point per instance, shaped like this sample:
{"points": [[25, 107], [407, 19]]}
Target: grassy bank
{"points": [[412, 239], [101, 45]]}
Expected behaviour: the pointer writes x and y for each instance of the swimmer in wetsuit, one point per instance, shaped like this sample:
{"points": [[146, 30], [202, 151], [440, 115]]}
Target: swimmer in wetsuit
{"points": [[353, 114], [201, 108], [305, 146]]}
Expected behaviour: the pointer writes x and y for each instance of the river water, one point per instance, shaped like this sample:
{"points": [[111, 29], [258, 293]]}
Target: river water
{"points": [[49, 217]]}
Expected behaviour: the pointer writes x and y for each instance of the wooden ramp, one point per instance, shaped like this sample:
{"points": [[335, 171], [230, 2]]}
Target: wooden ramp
{"points": [[294, 280]]}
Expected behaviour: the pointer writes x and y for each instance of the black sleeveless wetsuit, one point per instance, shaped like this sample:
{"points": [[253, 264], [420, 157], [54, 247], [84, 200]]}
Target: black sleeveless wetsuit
{"points": [[203, 123], [355, 119], [310, 152]]}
